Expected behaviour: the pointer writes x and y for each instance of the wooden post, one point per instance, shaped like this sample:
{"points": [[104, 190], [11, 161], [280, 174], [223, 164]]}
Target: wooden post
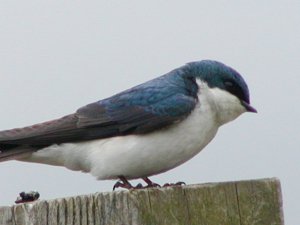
{"points": [[254, 202]]}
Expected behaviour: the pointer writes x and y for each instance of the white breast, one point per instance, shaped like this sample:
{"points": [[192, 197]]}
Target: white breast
{"points": [[136, 156]]}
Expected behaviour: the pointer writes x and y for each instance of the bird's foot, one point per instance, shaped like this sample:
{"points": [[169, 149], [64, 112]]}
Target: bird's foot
{"points": [[121, 185], [150, 184], [124, 183], [27, 197], [180, 183]]}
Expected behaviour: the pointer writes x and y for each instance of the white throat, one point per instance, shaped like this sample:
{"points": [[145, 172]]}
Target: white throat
{"points": [[226, 106]]}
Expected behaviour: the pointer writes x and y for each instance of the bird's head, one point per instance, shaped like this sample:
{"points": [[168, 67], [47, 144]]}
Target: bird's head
{"points": [[228, 89]]}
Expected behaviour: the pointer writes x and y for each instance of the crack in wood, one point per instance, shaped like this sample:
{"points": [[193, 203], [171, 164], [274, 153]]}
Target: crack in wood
{"points": [[238, 202]]}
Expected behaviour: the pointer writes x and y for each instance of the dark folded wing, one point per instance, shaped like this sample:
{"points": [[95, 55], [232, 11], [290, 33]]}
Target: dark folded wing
{"points": [[39, 134], [17, 142], [131, 112], [134, 119]]}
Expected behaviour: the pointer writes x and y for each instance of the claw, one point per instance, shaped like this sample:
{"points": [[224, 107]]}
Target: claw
{"points": [[150, 184], [139, 186], [123, 183], [119, 184]]}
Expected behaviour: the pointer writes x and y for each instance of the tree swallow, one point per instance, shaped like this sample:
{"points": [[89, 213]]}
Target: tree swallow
{"points": [[140, 132]]}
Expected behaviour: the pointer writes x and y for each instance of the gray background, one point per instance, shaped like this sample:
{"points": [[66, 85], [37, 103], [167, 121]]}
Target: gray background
{"points": [[56, 56]]}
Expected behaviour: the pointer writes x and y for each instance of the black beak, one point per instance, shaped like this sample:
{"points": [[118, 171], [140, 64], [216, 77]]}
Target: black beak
{"points": [[248, 107]]}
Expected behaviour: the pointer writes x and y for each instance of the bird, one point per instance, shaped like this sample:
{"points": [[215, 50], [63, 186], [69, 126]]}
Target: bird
{"points": [[140, 132]]}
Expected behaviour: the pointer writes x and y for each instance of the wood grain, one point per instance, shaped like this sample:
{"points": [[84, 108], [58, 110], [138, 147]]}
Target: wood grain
{"points": [[254, 202]]}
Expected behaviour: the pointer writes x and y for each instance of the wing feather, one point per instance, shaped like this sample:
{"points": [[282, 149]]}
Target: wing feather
{"points": [[138, 110]]}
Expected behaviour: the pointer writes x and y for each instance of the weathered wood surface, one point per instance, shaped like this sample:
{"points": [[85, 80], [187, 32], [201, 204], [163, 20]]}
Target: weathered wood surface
{"points": [[254, 202]]}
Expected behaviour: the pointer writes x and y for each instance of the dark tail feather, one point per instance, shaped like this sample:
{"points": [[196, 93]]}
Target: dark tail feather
{"points": [[14, 154]]}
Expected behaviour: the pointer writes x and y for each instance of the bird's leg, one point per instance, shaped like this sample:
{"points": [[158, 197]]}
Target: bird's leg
{"points": [[150, 183], [123, 183], [126, 184], [174, 184]]}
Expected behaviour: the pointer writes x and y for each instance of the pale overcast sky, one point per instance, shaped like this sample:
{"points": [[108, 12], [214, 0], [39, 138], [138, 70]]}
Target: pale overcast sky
{"points": [[56, 56]]}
